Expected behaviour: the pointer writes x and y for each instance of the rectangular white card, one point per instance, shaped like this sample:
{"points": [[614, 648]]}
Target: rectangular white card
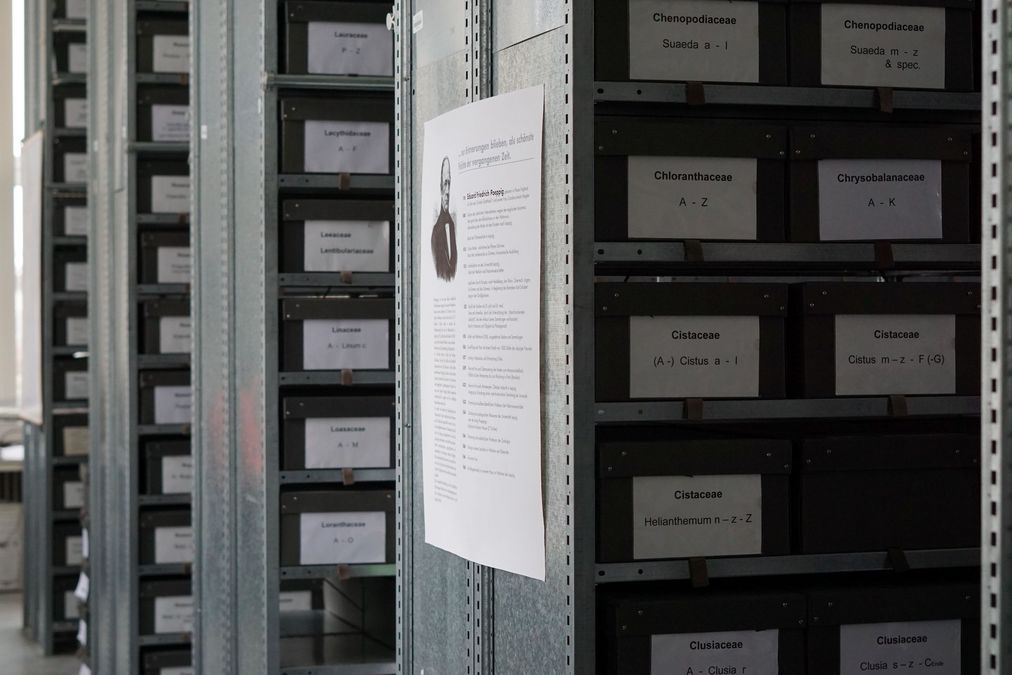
{"points": [[77, 9], [346, 147], [883, 46], [170, 194], [75, 167], [756, 652], [174, 614], [170, 123], [75, 112], [696, 516], [75, 221], [70, 608], [693, 40], [75, 384], [75, 441], [173, 545], [177, 474], [694, 356], [346, 246], [175, 335], [880, 199], [173, 405], [73, 495], [692, 198], [357, 344], [82, 588], [77, 57], [348, 443], [174, 264], [177, 670], [350, 49], [74, 551], [77, 330], [295, 601], [883, 354], [911, 647], [75, 277], [342, 538], [171, 53]]}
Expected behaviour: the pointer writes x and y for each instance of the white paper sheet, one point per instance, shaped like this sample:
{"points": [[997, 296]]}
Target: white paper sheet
{"points": [[75, 167], [171, 54], [922, 647], [28, 282], [174, 264], [75, 221], [175, 334], [177, 474], [480, 328], [77, 330], [346, 246], [75, 112], [77, 57], [348, 443], [170, 123], [82, 588], [73, 495], [358, 344], [173, 545], [174, 614], [82, 632], [75, 384], [173, 405], [347, 147], [756, 652], [170, 194], [342, 538], [350, 49], [75, 277]]}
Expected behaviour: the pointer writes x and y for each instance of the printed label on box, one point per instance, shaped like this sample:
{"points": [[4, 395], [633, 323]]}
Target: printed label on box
{"points": [[75, 221], [75, 276], [74, 551], [75, 112], [75, 384], [693, 356], [85, 546], [82, 588], [883, 46], [692, 198], [171, 53], [356, 344], [173, 405], [295, 601], [73, 495], [348, 443], [75, 167], [174, 614], [177, 670], [174, 264], [77, 330], [346, 246], [75, 441], [694, 40], [347, 147], [919, 647], [177, 475], [883, 354], [170, 194], [77, 9], [175, 335], [342, 538], [170, 123], [756, 652], [70, 608], [880, 199], [173, 545], [350, 49], [77, 57], [696, 516]]}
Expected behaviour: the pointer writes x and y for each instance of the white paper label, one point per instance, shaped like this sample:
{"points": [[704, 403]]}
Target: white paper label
{"points": [[342, 538], [912, 647], [880, 199], [696, 516], [170, 123], [175, 334], [75, 112], [177, 670], [693, 356], [82, 588], [347, 246], [70, 608], [174, 614], [177, 475], [75, 384], [73, 495], [755, 652], [883, 46], [85, 546], [348, 443], [77, 57], [75, 167], [75, 441], [173, 545], [171, 54], [174, 264], [77, 330], [357, 344], [77, 9], [75, 221], [883, 354], [692, 198], [347, 147], [170, 194], [694, 40], [173, 405], [295, 601], [350, 49], [75, 276], [74, 551]]}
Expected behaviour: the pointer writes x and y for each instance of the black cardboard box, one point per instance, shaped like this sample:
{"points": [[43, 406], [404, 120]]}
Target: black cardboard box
{"points": [[157, 662], [165, 397], [70, 324], [70, 269], [338, 136], [340, 527], [70, 216], [165, 257], [168, 467], [68, 489], [163, 113], [70, 379], [163, 45], [70, 106], [70, 9], [338, 38], [338, 432], [337, 334], [163, 187], [166, 606], [166, 537], [70, 160], [331, 235], [70, 52], [65, 604], [70, 435], [166, 326], [66, 544]]}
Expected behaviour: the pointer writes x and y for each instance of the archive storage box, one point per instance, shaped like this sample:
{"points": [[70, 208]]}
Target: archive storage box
{"points": [[337, 136], [70, 106], [338, 38], [868, 183], [70, 324], [70, 269], [877, 339], [166, 537], [693, 499], [163, 46], [66, 544], [881, 492], [70, 217], [658, 178], [70, 379], [337, 334], [338, 432], [167, 327], [691, 41], [322, 235], [163, 113], [163, 187], [166, 397], [699, 632], [68, 489], [168, 467], [165, 661], [891, 43], [690, 340], [70, 51], [301, 595], [70, 435], [70, 9], [166, 606], [64, 606], [936, 625], [70, 160], [337, 527], [165, 257]]}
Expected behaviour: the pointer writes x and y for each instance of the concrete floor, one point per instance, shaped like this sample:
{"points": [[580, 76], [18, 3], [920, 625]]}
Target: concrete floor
{"points": [[21, 656]]}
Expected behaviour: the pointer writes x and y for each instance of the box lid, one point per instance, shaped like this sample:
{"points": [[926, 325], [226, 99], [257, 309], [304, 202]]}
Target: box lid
{"points": [[846, 604], [320, 501], [352, 12], [624, 459], [854, 141], [704, 299], [890, 452], [707, 612], [696, 138], [300, 309], [360, 109], [146, 27], [163, 587], [296, 408], [163, 448], [158, 308], [160, 378], [297, 210], [888, 298]]}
